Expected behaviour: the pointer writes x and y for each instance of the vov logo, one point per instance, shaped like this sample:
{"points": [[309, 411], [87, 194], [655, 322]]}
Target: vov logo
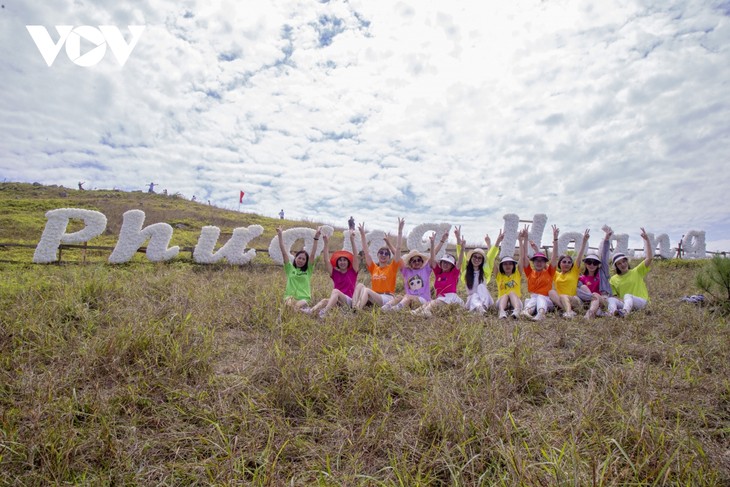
{"points": [[70, 36]]}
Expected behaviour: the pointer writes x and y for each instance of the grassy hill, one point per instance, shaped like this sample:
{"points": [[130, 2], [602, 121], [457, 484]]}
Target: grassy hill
{"points": [[179, 374]]}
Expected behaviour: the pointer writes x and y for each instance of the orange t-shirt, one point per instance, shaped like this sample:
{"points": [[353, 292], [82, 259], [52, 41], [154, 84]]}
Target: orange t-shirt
{"points": [[539, 282], [382, 279]]}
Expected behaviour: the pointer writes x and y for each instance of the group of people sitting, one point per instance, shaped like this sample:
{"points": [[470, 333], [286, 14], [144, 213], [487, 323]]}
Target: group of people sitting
{"points": [[556, 283]]}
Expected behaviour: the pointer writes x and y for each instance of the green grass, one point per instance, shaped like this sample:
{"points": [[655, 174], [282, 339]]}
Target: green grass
{"points": [[177, 374]]}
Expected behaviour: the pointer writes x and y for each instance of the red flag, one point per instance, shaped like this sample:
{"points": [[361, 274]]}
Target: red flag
{"points": [[240, 198]]}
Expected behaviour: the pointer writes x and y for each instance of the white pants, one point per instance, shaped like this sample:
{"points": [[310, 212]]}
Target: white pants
{"points": [[539, 302], [479, 299], [630, 303]]}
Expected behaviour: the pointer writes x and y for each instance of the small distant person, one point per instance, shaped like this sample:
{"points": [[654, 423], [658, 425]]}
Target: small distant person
{"points": [[81, 185], [164, 191], [193, 198], [151, 188], [351, 223], [281, 214]]}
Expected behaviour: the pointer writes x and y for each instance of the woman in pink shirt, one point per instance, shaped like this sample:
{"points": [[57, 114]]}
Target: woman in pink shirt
{"points": [[342, 268], [447, 278]]}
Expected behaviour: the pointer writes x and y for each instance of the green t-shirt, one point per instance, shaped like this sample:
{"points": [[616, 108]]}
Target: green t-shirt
{"points": [[631, 282], [488, 263], [298, 282]]}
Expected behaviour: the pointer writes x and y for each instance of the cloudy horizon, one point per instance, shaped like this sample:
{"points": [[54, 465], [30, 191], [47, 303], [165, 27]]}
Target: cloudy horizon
{"points": [[589, 112]]}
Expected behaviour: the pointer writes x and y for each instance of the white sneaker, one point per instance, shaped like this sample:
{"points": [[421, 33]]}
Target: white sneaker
{"points": [[569, 314], [539, 316], [322, 313], [421, 312], [306, 310], [515, 315], [527, 312], [502, 315]]}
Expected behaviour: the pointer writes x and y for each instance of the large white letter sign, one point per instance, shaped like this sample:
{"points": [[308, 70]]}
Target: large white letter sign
{"points": [[55, 232], [536, 229], [509, 241], [234, 250], [132, 236], [375, 241], [416, 241], [346, 242], [662, 240], [565, 239], [694, 245], [622, 244], [511, 229], [292, 235]]}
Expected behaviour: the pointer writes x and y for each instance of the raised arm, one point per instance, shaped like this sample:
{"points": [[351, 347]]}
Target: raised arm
{"points": [[284, 253], [493, 253], [522, 237], [399, 242], [460, 244], [368, 259], [647, 248], [460, 258], [315, 243], [584, 243], [432, 250], [604, 285], [356, 259], [436, 247], [554, 257], [326, 254]]}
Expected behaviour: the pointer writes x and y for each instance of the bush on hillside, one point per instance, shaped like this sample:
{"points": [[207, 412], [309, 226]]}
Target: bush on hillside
{"points": [[714, 280]]}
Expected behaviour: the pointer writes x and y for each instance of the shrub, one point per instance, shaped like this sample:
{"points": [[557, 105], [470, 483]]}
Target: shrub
{"points": [[714, 279]]}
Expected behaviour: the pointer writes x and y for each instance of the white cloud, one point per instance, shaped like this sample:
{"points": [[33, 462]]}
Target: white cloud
{"points": [[614, 112]]}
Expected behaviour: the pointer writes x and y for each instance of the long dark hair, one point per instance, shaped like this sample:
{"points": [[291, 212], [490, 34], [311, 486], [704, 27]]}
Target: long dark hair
{"points": [[470, 272], [306, 264]]}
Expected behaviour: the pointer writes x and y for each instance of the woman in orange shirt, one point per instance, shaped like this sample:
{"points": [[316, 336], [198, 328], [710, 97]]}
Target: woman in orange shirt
{"points": [[539, 276], [382, 275]]}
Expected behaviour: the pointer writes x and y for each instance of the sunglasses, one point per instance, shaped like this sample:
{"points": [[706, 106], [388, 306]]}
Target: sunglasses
{"points": [[416, 260], [591, 262], [383, 252]]}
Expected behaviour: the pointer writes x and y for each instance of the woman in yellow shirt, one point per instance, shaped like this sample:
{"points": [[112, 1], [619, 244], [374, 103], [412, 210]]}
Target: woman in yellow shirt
{"points": [[566, 281]]}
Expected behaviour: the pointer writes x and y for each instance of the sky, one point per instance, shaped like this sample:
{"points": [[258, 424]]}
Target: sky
{"points": [[591, 112]]}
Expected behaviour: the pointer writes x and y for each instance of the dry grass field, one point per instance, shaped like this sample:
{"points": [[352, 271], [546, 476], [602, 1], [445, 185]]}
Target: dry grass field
{"points": [[185, 374]]}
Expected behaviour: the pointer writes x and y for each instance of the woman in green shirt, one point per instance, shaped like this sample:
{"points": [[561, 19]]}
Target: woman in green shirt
{"points": [[298, 274]]}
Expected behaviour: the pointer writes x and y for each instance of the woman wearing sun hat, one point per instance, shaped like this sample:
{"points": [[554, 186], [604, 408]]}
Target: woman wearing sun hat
{"points": [[447, 273], [382, 275], [416, 268], [566, 280], [509, 287], [628, 284], [594, 286], [539, 278], [342, 268], [476, 272]]}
